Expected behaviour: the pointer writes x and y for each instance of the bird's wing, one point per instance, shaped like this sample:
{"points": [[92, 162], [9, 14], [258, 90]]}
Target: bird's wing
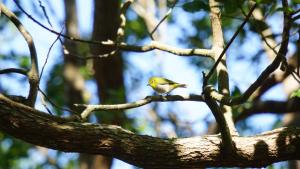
{"points": [[167, 81]]}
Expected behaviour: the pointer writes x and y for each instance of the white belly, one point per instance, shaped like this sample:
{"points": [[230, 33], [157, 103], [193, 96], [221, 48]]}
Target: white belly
{"points": [[163, 88]]}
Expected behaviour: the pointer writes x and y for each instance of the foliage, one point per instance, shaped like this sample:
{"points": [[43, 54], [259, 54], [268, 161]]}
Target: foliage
{"points": [[196, 6], [296, 94], [12, 151]]}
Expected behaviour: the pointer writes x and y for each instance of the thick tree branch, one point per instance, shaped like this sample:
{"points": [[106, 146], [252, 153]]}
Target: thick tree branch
{"points": [[57, 133], [33, 74], [228, 146], [90, 108], [222, 113]]}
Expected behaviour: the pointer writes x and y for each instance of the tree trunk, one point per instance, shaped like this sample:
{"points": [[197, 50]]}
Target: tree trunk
{"points": [[74, 82], [109, 70], [74, 86]]}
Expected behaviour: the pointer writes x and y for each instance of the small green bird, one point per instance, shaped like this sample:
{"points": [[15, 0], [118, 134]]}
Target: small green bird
{"points": [[163, 85]]}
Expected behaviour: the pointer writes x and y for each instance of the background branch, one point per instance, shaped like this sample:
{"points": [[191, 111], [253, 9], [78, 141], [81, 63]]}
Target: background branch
{"points": [[126, 47], [163, 19], [274, 107]]}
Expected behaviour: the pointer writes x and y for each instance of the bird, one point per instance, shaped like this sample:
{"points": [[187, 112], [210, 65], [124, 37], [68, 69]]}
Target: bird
{"points": [[163, 86]]}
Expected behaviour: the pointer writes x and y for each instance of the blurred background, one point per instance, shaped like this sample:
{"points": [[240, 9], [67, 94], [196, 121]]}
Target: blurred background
{"points": [[77, 73]]}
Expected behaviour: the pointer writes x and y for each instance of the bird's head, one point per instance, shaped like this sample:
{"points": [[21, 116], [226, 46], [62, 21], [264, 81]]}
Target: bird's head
{"points": [[152, 82]]}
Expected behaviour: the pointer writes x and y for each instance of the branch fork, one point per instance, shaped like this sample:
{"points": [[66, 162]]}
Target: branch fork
{"points": [[33, 73]]}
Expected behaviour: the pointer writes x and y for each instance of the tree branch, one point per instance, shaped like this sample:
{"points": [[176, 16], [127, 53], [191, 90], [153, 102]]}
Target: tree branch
{"points": [[159, 46], [90, 108], [228, 146], [280, 57], [126, 47], [57, 133], [14, 70], [163, 19], [274, 107], [33, 74], [222, 113], [219, 59]]}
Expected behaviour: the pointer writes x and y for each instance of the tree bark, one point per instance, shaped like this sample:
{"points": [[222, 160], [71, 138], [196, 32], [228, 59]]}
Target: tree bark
{"points": [[222, 72], [143, 151]]}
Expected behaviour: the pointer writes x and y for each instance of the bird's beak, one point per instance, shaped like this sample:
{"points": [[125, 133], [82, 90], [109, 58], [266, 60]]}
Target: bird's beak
{"points": [[148, 84]]}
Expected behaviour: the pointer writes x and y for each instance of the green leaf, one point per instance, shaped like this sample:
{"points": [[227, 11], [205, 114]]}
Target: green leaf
{"points": [[288, 10], [236, 91], [296, 1], [195, 6], [136, 29], [295, 94], [231, 6], [85, 72], [24, 61]]}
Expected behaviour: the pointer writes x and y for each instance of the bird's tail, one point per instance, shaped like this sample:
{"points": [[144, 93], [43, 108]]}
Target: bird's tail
{"points": [[182, 85]]}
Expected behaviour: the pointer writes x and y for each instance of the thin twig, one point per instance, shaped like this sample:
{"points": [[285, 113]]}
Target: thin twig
{"points": [[49, 22], [45, 104], [45, 13], [163, 19], [54, 104], [90, 108], [296, 76], [48, 54], [14, 70]]}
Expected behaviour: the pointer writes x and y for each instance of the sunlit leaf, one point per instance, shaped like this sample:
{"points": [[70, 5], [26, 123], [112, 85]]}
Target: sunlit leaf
{"points": [[296, 94]]}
